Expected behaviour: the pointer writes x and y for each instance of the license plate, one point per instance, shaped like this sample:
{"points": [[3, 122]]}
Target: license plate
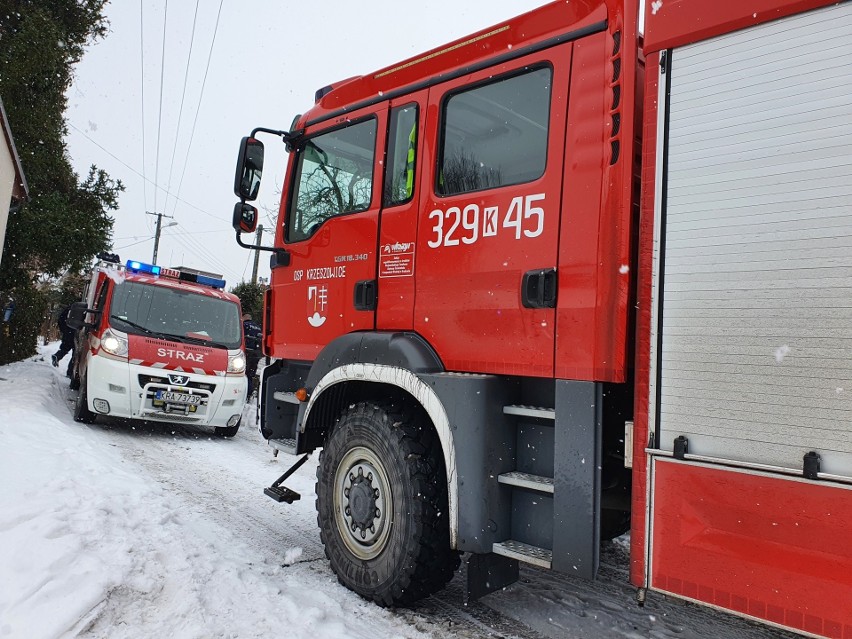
{"points": [[178, 398]]}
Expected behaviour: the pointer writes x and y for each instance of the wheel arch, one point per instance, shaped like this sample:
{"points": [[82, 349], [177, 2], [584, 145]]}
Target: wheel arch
{"points": [[359, 381]]}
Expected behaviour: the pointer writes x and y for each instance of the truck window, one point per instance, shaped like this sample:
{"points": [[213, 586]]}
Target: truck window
{"points": [[495, 134], [402, 156], [144, 308], [334, 175]]}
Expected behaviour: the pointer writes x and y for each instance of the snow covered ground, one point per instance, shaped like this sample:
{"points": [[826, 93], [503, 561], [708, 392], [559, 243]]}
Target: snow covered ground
{"points": [[115, 530]]}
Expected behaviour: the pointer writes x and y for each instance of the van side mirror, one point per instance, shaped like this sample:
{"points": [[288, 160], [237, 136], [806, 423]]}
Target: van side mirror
{"points": [[77, 316], [245, 218], [249, 169]]}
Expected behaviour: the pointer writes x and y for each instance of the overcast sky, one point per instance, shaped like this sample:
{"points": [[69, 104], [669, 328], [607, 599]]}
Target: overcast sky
{"points": [[267, 60]]}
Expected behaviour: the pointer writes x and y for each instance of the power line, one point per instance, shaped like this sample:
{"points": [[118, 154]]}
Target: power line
{"points": [[191, 243], [119, 248], [200, 98], [160, 116], [126, 165], [136, 237], [245, 268], [182, 98], [231, 274], [142, 81], [201, 251]]}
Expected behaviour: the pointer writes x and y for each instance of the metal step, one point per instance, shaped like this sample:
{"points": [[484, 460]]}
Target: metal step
{"points": [[284, 445], [282, 494], [530, 411], [524, 552], [526, 480]]}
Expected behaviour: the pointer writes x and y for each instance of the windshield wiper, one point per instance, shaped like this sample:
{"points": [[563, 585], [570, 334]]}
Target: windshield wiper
{"points": [[186, 339], [148, 331], [200, 340]]}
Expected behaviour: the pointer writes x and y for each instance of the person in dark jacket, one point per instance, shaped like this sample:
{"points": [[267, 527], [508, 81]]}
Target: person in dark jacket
{"points": [[252, 333], [67, 341]]}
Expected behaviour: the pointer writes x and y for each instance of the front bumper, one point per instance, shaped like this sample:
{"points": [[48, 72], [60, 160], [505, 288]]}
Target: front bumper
{"points": [[126, 390]]}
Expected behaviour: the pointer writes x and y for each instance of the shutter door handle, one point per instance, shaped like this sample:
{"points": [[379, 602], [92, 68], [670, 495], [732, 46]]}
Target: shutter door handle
{"points": [[538, 288]]}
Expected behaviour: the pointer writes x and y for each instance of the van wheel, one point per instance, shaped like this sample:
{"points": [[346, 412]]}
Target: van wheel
{"points": [[75, 379], [81, 405], [226, 431], [382, 504]]}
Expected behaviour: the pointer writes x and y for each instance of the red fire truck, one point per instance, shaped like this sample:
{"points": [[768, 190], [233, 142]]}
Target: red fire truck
{"points": [[159, 344], [552, 282]]}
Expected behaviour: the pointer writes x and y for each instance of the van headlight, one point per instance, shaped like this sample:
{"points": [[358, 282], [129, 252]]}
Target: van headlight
{"points": [[237, 363], [114, 344]]}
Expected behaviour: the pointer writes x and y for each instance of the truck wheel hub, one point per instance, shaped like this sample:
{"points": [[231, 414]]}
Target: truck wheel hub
{"points": [[362, 499]]}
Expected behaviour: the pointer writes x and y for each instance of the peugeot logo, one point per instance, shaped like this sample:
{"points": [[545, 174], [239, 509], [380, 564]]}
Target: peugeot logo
{"points": [[180, 380]]}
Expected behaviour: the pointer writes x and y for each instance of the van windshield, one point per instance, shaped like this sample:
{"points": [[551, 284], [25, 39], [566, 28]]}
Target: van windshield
{"points": [[147, 309]]}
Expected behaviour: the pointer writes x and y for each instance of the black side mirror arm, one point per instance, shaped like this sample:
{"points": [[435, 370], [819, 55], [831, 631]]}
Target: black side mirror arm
{"points": [[291, 138], [282, 256]]}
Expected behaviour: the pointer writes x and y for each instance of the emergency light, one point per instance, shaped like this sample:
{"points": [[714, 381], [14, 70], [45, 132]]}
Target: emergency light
{"points": [[140, 267], [204, 280]]}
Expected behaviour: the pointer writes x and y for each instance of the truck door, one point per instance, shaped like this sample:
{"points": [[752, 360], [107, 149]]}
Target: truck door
{"points": [[331, 231], [400, 204], [489, 215]]}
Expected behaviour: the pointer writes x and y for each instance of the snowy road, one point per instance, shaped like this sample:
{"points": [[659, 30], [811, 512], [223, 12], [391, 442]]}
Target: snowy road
{"points": [[112, 530]]}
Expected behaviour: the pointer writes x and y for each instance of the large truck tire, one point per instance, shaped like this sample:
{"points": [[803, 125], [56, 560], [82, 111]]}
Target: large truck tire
{"points": [[74, 384], [382, 504], [81, 405]]}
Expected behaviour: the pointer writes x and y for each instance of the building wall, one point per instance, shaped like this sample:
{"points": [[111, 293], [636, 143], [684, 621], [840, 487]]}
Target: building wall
{"points": [[7, 180]]}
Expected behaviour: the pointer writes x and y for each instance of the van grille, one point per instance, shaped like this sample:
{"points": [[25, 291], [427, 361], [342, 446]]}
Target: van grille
{"points": [[153, 379]]}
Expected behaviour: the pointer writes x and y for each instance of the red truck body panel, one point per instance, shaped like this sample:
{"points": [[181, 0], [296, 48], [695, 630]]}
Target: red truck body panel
{"points": [[759, 545], [674, 23]]}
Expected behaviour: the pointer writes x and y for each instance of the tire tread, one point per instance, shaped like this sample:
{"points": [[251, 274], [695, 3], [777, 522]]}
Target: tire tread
{"points": [[432, 562]]}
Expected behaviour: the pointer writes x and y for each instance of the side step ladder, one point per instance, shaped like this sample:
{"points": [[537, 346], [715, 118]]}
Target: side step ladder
{"points": [[547, 505], [281, 493], [541, 557]]}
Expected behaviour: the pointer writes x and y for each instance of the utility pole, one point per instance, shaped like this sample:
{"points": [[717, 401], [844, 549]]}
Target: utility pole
{"points": [[256, 254], [160, 217]]}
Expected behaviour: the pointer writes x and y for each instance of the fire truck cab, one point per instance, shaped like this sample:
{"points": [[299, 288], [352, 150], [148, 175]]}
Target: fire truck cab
{"points": [[159, 344]]}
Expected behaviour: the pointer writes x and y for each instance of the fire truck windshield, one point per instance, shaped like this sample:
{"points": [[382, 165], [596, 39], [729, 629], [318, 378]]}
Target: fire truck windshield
{"points": [[168, 312]]}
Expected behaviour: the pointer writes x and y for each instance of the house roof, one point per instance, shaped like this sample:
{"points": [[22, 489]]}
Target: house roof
{"points": [[20, 191]]}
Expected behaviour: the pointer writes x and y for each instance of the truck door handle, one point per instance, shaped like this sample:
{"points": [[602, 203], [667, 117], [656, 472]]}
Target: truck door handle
{"points": [[538, 288], [365, 295]]}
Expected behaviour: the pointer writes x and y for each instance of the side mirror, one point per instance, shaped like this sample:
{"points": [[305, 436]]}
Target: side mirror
{"points": [[249, 169], [245, 218], [77, 316]]}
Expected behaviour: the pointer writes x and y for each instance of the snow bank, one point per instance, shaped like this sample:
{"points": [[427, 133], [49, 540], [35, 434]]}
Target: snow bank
{"points": [[91, 544]]}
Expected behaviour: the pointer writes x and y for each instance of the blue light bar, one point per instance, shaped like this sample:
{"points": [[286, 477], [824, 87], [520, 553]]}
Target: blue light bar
{"points": [[142, 267], [210, 281]]}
